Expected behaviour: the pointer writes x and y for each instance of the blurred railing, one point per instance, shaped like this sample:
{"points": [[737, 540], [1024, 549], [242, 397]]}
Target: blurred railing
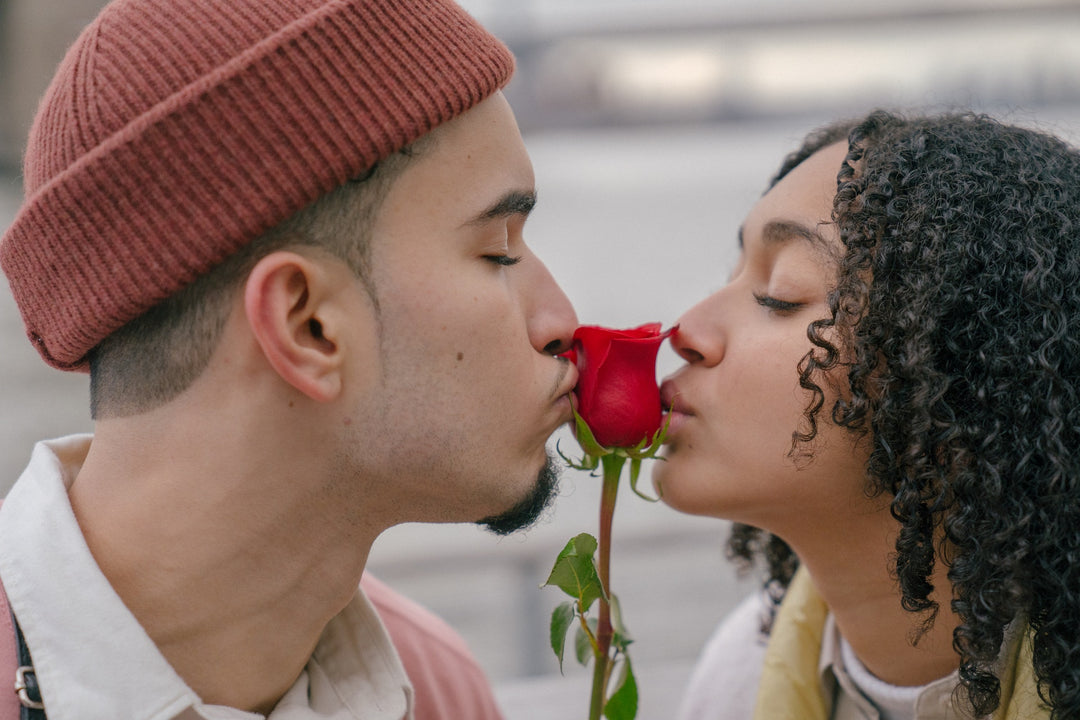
{"points": [[717, 62], [668, 571], [617, 62], [490, 591]]}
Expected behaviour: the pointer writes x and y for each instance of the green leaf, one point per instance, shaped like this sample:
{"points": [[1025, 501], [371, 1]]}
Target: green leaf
{"points": [[561, 619], [575, 571], [583, 648], [623, 703]]}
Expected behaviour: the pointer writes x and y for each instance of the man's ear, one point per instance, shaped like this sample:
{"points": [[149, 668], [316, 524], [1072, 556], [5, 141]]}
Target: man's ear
{"points": [[288, 299]]}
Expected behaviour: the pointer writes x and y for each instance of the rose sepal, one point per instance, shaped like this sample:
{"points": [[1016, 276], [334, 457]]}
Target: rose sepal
{"points": [[592, 451]]}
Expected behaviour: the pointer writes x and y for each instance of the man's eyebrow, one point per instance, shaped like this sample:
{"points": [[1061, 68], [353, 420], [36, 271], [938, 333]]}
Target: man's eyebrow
{"points": [[515, 202]]}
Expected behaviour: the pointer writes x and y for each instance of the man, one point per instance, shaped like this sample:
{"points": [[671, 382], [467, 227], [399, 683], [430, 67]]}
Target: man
{"points": [[285, 238]]}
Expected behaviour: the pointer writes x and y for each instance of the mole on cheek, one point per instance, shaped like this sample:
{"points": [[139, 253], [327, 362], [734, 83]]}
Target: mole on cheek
{"points": [[460, 356]]}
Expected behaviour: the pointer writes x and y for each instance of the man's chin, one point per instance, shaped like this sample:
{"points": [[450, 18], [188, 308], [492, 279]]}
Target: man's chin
{"points": [[530, 508]]}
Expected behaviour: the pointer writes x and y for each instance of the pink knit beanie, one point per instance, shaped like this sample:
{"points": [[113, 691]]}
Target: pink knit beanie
{"points": [[177, 131]]}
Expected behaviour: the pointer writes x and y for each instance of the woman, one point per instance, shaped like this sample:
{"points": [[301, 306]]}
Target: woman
{"points": [[886, 398]]}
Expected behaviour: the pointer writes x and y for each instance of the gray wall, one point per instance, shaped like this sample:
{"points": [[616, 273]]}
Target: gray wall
{"points": [[34, 34]]}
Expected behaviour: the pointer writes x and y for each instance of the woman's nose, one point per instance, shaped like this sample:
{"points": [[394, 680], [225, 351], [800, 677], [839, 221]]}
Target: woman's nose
{"points": [[699, 339]]}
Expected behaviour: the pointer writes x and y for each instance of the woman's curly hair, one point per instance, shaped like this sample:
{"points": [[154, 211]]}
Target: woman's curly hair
{"points": [[957, 313]]}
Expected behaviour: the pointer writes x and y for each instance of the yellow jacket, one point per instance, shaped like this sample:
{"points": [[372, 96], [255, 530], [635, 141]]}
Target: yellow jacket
{"points": [[790, 688]]}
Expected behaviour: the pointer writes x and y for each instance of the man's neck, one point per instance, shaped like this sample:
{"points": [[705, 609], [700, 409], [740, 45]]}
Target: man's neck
{"points": [[232, 559]]}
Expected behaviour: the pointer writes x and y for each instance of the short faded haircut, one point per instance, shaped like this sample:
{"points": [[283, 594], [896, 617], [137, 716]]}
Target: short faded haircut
{"points": [[156, 356]]}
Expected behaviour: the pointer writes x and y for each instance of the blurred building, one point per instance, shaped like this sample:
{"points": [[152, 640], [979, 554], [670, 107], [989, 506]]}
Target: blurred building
{"points": [[619, 62], [679, 61]]}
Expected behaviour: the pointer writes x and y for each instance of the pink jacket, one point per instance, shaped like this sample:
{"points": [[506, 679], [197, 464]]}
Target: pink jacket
{"points": [[9, 662]]}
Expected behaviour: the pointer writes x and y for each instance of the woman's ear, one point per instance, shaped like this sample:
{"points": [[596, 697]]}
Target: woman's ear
{"points": [[289, 300]]}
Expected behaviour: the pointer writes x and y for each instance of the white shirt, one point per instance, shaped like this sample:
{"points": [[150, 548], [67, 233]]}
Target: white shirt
{"points": [[93, 659], [724, 683], [861, 696]]}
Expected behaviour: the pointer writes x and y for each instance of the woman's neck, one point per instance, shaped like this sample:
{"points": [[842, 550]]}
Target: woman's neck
{"points": [[851, 566]]}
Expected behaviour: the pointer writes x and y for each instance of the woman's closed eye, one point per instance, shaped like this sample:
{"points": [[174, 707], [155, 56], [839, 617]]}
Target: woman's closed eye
{"points": [[776, 304]]}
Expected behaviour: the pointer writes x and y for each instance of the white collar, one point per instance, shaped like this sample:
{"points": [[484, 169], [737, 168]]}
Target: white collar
{"points": [[94, 660]]}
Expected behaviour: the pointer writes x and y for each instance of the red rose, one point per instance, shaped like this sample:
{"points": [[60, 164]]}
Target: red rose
{"points": [[617, 394]]}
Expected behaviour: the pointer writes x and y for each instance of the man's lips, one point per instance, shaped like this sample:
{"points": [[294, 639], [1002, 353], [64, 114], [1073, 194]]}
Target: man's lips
{"points": [[566, 380], [563, 388]]}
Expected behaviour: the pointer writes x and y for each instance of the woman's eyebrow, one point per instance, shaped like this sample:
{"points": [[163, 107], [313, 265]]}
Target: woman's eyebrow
{"points": [[777, 232]]}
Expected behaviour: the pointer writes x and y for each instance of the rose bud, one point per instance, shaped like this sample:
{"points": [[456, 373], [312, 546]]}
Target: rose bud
{"points": [[616, 393]]}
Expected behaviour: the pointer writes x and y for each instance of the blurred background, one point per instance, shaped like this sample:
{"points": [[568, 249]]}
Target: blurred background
{"points": [[653, 126]]}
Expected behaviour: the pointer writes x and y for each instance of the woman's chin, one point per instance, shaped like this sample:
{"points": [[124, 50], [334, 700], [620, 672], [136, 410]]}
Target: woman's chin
{"points": [[678, 491]]}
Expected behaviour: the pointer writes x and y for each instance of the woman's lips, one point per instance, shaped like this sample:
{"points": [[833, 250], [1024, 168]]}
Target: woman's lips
{"points": [[675, 408], [671, 399]]}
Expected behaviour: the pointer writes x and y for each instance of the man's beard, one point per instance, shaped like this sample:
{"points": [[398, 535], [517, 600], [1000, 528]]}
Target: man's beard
{"points": [[531, 507]]}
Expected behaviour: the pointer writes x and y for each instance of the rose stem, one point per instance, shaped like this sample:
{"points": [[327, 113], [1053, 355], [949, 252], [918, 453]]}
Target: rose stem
{"points": [[612, 469]]}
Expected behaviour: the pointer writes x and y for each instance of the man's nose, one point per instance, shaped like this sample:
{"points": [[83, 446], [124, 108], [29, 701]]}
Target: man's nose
{"points": [[551, 318]]}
